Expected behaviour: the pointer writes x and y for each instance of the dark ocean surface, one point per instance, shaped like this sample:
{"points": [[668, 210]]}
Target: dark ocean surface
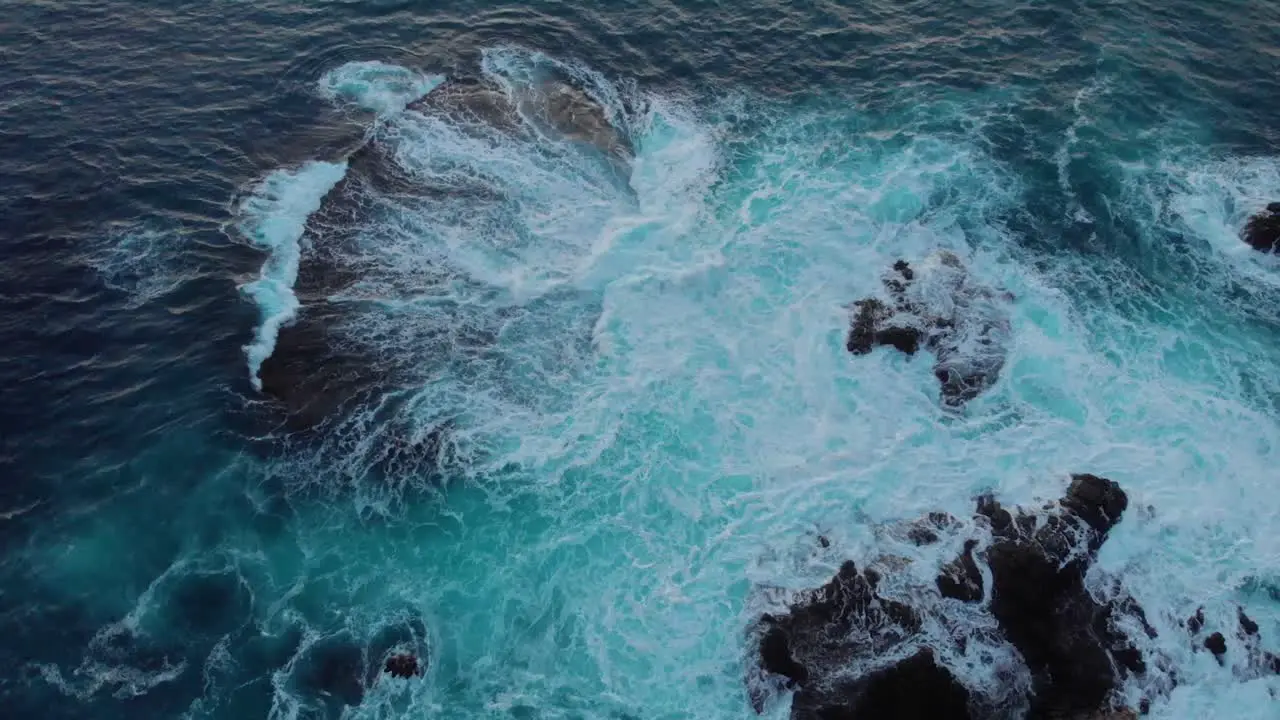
{"points": [[601, 402]]}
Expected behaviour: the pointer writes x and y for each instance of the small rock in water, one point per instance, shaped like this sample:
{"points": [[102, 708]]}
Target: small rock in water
{"points": [[1262, 231], [1247, 625], [1195, 622], [1217, 645], [966, 332], [403, 665]]}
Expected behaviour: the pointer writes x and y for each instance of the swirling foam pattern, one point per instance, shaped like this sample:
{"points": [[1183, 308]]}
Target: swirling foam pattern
{"points": [[647, 407]]}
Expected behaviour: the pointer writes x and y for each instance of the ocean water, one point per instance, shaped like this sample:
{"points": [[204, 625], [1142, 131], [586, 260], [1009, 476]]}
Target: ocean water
{"points": [[635, 381]]}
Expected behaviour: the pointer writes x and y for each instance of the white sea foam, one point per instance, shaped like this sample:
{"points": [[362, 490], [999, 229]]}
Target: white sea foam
{"points": [[377, 86], [663, 415], [145, 263], [273, 218]]}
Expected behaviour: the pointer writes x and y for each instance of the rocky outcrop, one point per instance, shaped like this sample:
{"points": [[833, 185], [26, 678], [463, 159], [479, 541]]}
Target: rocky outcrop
{"points": [[1038, 565], [402, 665], [853, 649], [849, 651], [916, 687], [575, 115], [938, 308], [470, 101], [555, 107], [1244, 653], [1262, 231], [315, 376]]}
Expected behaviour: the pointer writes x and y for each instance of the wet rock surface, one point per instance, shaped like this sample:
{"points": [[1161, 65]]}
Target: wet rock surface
{"points": [[1262, 231], [961, 579], [403, 665], [1037, 563], [314, 376], [916, 687], [1039, 599], [851, 649], [470, 101], [941, 310]]}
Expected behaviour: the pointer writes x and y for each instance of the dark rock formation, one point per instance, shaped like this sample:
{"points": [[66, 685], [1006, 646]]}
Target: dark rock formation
{"points": [[309, 378], [1262, 231], [961, 323], [849, 651], [824, 629], [470, 101], [399, 648], [916, 687], [1217, 645], [403, 665], [1195, 622], [553, 106], [808, 638], [314, 377], [869, 315], [1039, 598], [961, 579], [925, 532], [1247, 625], [1074, 655]]}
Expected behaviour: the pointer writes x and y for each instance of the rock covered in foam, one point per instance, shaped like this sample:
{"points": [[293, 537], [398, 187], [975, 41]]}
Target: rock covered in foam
{"points": [[1039, 599], [850, 652], [1243, 654], [916, 687], [312, 378], [470, 101], [553, 105], [578, 116], [402, 665], [940, 309], [1262, 231]]}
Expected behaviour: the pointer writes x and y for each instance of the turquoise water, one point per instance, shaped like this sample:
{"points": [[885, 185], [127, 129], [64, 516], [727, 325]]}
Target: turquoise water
{"points": [[661, 415]]}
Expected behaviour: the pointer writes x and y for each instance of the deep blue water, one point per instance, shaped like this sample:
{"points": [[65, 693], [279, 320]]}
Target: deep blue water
{"points": [[665, 399]]}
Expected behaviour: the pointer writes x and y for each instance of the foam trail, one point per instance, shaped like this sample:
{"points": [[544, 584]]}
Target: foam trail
{"points": [[274, 217], [377, 86], [142, 262]]}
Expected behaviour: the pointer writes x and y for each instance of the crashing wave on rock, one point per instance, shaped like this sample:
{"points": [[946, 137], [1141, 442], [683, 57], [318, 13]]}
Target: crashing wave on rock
{"points": [[850, 650], [940, 308]]}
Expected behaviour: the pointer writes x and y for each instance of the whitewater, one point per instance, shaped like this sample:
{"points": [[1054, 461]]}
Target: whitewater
{"points": [[663, 418]]}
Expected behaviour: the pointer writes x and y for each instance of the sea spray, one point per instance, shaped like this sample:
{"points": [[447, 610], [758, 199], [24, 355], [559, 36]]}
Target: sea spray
{"points": [[273, 218], [376, 86]]}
